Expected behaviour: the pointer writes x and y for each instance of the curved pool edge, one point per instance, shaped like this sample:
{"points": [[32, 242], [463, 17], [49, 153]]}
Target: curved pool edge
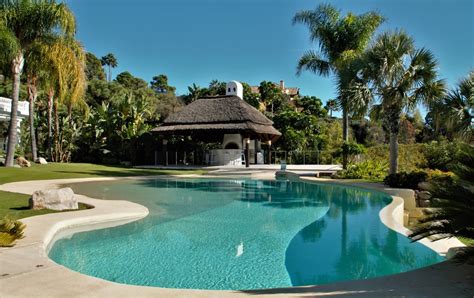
{"points": [[28, 260], [392, 214]]}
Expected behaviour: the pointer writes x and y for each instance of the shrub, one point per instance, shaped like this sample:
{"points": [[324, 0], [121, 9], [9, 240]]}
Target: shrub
{"points": [[440, 176], [410, 157], [439, 155], [10, 231], [406, 180], [369, 169]]}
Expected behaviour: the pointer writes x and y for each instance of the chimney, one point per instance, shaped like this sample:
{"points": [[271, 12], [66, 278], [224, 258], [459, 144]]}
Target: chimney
{"points": [[234, 88], [282, 85]]}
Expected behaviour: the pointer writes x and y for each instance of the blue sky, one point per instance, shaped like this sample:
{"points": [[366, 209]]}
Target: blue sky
{"points": [[195, 41]]}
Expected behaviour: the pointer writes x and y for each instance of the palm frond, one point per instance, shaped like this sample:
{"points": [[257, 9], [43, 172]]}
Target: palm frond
{"points": [[314, 63]]}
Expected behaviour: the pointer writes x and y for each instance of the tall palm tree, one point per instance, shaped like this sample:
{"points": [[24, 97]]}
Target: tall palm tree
{"points": [[400, 77], [67, 76], [110, 61], [454, 112], [341, 40], [24, 23], [331, 106]]}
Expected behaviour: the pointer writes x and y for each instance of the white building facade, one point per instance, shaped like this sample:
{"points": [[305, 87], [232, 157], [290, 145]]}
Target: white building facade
{"points": [[5, 113]]}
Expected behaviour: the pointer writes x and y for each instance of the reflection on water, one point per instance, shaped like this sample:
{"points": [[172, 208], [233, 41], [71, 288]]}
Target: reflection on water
{"points": [[241, 234]]}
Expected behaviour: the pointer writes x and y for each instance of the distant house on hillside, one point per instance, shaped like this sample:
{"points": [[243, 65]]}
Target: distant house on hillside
{"points": [[292, 92]]}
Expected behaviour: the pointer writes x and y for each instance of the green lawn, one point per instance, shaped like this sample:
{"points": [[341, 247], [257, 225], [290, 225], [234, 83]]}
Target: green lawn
{"points": [[15, 205], [79, 170]]}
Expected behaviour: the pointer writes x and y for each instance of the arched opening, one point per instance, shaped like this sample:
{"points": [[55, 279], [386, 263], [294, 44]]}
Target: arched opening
{"points": [[231, 145]]}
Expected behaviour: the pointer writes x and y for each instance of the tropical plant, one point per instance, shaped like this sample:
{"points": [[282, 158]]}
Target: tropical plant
{"points": [[10, 231], [331, 106], [341, 41], [400, 77], [453, 112], [369, 170], [454, 202], [110, 61], [19, 31]]}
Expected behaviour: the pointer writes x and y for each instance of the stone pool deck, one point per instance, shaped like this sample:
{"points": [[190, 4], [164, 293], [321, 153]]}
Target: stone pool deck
{"points": [[26, 270]]}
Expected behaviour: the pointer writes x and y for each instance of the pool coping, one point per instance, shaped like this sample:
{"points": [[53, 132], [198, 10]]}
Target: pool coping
{"points": [[28, 262]]}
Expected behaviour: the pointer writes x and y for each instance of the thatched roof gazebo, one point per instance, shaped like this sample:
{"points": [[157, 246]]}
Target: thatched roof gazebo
{"points": [[228, 120], [211, 117]]}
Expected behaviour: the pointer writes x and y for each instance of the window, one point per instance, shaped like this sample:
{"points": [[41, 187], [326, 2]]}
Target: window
{"points": [[234, 89], [228, 89]]}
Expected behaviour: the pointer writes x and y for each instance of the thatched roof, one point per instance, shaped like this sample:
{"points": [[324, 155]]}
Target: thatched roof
{"points": [[225, 114]]}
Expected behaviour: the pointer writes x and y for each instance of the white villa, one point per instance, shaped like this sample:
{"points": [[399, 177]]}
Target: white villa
{"points": [[5, 113]]}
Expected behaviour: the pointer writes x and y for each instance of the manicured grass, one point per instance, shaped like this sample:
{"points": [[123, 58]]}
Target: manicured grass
{"points": [[79, 170], [15, 206]]}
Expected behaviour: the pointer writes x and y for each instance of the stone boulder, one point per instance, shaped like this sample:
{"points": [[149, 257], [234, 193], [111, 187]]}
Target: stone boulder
{"points": [[22, 162], [41, 161], [54, 199], [424, 195]]}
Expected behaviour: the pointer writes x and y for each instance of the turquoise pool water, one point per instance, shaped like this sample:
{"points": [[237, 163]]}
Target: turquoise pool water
{"points": [[241, 234]]}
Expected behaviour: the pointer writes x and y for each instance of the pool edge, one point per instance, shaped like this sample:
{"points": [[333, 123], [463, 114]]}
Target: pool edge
{"points": [[48, 278]]}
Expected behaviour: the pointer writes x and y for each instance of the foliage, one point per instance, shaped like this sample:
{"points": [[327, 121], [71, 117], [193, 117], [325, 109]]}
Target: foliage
{"points": [[452, 115], [410, 158], [94, 70], [10, 231], [272, 97], [399, 77], [440, 154], [369, 170], [160, 84], [454, 202], [110, 61], [406, 180], [312, 105]]}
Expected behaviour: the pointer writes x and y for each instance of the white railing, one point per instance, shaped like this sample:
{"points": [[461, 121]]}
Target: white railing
{"points": [[6, 106]]}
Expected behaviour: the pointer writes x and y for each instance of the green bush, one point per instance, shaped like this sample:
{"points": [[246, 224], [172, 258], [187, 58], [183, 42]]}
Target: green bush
{"points": [[10, 231], [439, 155], [410, 157], [369, 169], [405, 179]]}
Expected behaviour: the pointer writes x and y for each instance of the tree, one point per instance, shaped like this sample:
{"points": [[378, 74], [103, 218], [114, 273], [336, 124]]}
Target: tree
{"points": [[313, 106], [453, 112], [272, 96], [94, 70], [400, 77], [341, 40], [331, 106], [127, 80], [160, 85], [453, 202], [19, 31], [194, 92], [110, 61]]}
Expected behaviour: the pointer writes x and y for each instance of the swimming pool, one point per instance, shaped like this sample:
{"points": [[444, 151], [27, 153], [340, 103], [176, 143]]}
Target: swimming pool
{"points": [[241, 234]]}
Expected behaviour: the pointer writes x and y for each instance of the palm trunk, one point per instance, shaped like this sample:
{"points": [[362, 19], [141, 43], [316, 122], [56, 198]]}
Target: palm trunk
{"points": [[393, 152], [345, 135], [56, 130], [50, 123], [32, 95], [17, 67]]}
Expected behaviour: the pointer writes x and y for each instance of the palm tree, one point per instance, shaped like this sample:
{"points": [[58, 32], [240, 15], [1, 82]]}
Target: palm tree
{"points": [[67, 76], [331, 106], [400, 77], [19, 31], [454, 202], [453, 113], [341, 40], [111, 62]]}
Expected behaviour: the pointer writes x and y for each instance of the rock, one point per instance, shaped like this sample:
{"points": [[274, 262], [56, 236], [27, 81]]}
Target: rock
{"points": [[22, 162], [424, 185], [424, 203], [41, 161], [54, 199], [423, 195]]}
